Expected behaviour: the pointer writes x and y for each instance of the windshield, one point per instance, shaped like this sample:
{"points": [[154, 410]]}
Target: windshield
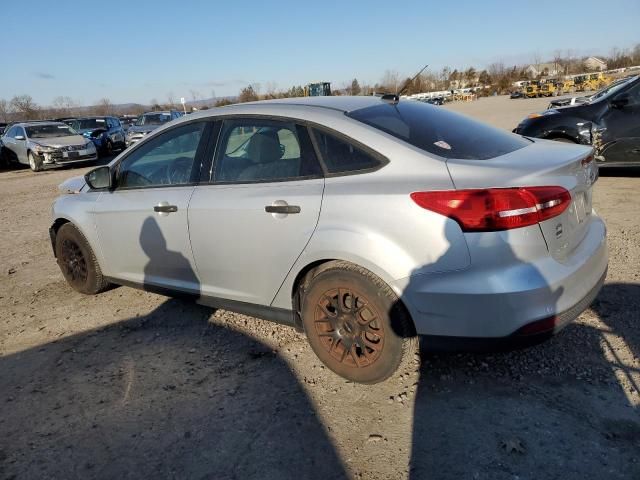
{"points": [[614, 87], [439, 131], [153, 119], [49, 131], [90, 123]]}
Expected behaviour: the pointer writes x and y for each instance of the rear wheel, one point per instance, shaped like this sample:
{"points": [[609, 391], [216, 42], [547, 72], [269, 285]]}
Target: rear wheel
{"points": [[77, 261], [34, 163], [355, 323]]}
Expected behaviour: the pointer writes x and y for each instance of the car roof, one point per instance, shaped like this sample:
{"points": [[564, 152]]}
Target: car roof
{"points": [[341, 103], [40, 122]]}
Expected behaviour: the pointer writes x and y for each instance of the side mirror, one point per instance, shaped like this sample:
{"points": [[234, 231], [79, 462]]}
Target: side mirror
{"points": [[19, 137], [99, 178], [620, 101]]}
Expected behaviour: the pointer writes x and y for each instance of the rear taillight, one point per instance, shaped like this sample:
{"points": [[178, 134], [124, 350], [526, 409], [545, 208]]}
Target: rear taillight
{"points": [[492, 209]]}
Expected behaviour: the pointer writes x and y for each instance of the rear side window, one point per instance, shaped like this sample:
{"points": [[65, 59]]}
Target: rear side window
{"points": [[341, 156], [257, 150], [439, 131]]}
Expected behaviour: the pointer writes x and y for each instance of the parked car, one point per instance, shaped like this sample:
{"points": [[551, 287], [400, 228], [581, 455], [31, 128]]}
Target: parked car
{"points": [[127, 120], [609, 121], [68, 120], [106, 133], [516, 94], [362, 221], [565, 102], [148, 122], [46, 144]]}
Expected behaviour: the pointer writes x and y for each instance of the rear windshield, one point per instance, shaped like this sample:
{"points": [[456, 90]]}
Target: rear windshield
{"points": [[439, 131]]}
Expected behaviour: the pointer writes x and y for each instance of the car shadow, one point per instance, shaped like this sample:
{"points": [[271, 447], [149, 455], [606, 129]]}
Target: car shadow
{"points": [[169, 394], [556, 409]]}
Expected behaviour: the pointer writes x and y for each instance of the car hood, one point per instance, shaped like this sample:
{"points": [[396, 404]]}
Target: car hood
{"points": [[59, 141], [89, 131], [72, 185], [143, 128]]}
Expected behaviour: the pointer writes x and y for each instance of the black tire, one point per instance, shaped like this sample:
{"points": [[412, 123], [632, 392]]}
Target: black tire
{"points": [[563, 140], [108, 148], [35, 163], [355, 323], [77, 261]]}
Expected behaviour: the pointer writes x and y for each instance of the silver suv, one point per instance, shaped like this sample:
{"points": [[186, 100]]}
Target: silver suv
{"points": [[147, 123], [362, 221], [46, 144]]}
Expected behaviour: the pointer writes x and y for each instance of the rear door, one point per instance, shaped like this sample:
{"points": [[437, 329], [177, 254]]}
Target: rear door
{"points": [[252, 221]]}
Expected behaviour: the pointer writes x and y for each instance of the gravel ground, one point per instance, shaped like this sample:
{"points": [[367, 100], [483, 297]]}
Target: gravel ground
{"points": [[130, 384]]}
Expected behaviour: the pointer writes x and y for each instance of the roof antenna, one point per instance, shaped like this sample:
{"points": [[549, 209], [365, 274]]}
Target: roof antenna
{"points": [[407, 83]]}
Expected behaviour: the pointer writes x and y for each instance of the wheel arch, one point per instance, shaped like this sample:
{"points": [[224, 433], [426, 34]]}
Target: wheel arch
{"points": [[313, 268]]}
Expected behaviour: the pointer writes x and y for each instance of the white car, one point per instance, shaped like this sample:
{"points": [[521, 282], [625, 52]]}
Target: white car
{"points": [[46, 144]]}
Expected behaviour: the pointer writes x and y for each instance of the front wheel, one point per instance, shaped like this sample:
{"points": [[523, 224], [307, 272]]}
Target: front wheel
{"points": [[355, 323], [77, 261], [34, 163]]}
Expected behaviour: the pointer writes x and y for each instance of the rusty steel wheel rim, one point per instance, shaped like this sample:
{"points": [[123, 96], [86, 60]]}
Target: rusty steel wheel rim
{"points": [[349, 327], [73, 261]]}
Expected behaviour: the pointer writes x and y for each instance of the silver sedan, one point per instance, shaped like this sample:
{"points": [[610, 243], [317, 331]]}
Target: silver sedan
{"points": [[363, 221]]}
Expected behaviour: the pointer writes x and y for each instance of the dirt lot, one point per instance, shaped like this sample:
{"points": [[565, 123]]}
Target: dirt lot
{"points": [[129, 384]]}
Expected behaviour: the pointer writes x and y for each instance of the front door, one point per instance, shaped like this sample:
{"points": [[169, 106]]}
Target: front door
{"points": [[623, 125], [142, 224], [250, 224]]}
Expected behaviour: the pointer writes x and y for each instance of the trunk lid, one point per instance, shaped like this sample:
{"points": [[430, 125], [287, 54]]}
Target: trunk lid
{"points": [[543, 163]]}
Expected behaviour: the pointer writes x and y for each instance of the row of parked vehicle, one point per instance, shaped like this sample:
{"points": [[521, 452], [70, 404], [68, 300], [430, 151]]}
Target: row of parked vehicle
{"points": [[49, 143]]}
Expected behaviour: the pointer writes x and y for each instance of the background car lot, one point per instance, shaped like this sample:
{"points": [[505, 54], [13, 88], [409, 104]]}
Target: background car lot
{"points": [[94, 384]]}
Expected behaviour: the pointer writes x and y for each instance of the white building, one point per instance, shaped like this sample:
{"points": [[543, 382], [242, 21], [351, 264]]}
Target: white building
{"points": [[593, 64], [545, 69]]}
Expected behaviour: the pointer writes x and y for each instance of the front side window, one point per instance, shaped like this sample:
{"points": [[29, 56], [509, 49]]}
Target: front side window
{"points": [[341, 156], [262, 151], [167, 160]]}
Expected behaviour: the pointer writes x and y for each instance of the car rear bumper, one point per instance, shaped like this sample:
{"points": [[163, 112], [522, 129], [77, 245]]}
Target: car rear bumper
{"points": [[488, 303]]}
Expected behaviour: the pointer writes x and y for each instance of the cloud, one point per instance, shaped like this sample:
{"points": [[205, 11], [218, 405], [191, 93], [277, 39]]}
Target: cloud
{"points": [[44, 75]]}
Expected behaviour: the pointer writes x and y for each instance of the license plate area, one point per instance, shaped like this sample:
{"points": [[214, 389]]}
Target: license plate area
{"points": [[71, 154]]}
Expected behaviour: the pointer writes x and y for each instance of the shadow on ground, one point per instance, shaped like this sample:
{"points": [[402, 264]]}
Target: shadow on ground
{"points": [[556, 410], [121, 402]]}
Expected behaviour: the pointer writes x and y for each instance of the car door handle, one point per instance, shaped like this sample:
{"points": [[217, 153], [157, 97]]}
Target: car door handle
{"points": [[165, 208], [286, 209]]}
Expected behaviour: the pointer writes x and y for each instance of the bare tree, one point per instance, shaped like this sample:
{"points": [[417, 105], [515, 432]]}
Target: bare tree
{"points": [[355, 87], [391, 80], [248, 94], [25, 107], [272, 90], [62, 106], [195, 95], [171, 99], [104, 107], [4, 110]]}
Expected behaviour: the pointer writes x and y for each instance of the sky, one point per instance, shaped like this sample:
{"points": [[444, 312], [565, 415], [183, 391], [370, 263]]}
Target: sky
{"points": [[136, 51]]}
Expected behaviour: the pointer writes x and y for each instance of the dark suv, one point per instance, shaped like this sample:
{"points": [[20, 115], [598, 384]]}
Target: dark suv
{"points": [[106, 133], [609, 120]]}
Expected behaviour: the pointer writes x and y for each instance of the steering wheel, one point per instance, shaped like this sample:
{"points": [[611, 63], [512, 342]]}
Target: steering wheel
{"points": [[179, 171]]}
